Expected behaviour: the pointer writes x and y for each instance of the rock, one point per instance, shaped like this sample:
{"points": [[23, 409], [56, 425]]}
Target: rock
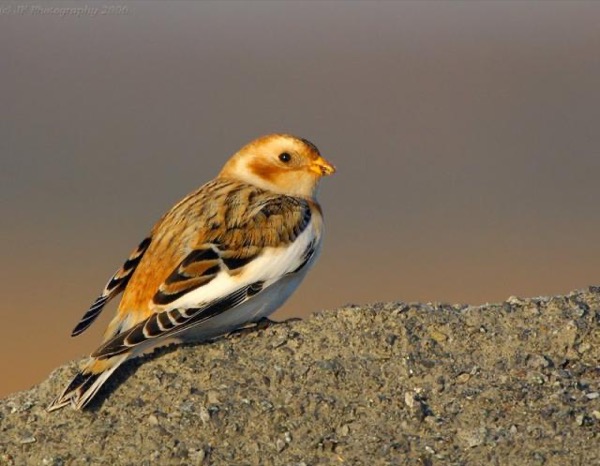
{"points": [[509, 383]]}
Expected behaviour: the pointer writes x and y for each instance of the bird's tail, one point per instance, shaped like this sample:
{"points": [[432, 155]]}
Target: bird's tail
{"points": [[87, 382]]}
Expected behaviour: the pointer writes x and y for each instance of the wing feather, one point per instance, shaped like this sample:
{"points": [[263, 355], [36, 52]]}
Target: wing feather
{"points": [[275, 222], [173, 321], [198, 268], [115, 285]]}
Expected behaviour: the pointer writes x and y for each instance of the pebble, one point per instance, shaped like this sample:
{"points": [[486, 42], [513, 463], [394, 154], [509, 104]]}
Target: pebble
{"points": [[515, 301], [437, 336], [584, 348], [463, 378], [204, 414], [197, 455], [28, 439], [213, 397], [280, 445], [344, 430], [409, 399], [52, 461], [473, 438], [187, 406], [537, 361], [580, 311]]}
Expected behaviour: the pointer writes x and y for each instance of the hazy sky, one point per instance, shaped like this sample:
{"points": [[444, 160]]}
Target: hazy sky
{"points": [[465, 134]]}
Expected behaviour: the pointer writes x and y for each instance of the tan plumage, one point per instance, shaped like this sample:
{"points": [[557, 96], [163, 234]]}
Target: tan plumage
{"points": [[229, 253]]}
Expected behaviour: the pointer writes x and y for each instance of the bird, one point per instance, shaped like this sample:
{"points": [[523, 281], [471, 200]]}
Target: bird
{"points": [[226, 256]]}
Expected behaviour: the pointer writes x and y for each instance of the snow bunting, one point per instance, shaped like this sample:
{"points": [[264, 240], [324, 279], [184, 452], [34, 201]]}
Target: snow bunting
{"points": [[228, 254]]}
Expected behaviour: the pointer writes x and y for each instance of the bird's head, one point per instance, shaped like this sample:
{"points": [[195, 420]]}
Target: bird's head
{"points": [[281, 163]]}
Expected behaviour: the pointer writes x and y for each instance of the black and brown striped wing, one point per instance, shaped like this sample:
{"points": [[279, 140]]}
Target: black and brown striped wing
{"points": [[198, 268], [115, 285], [244, 230], [169, 323]]}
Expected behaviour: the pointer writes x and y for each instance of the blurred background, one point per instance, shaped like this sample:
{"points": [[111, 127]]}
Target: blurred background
{"points": [[465, 134]]}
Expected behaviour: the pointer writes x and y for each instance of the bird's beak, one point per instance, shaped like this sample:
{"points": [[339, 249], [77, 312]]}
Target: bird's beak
{"points": [[322, 167]]}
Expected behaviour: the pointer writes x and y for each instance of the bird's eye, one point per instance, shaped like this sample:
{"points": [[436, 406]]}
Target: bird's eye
{"points": [[285, 157]]}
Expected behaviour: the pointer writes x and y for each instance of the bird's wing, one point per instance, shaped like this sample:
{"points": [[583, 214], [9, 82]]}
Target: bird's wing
{"points": [[115, 285], [228, 258], [220, 242], [169, 323]]}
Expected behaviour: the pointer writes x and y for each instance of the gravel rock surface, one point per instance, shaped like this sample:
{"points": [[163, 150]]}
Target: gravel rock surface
{"points": [[515, 383]]}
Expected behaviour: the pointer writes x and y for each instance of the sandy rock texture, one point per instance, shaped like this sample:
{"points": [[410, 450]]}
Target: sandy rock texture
{"points": [[515, 383]]}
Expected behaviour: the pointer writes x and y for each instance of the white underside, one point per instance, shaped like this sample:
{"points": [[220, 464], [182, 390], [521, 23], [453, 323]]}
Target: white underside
{"points": [[264, 304]]}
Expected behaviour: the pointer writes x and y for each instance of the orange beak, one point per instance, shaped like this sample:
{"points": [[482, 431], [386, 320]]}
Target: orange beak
{"points": [[322, 167]]}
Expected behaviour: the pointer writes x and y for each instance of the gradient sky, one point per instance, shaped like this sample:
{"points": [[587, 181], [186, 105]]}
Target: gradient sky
{"points": [[465, 134]]}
